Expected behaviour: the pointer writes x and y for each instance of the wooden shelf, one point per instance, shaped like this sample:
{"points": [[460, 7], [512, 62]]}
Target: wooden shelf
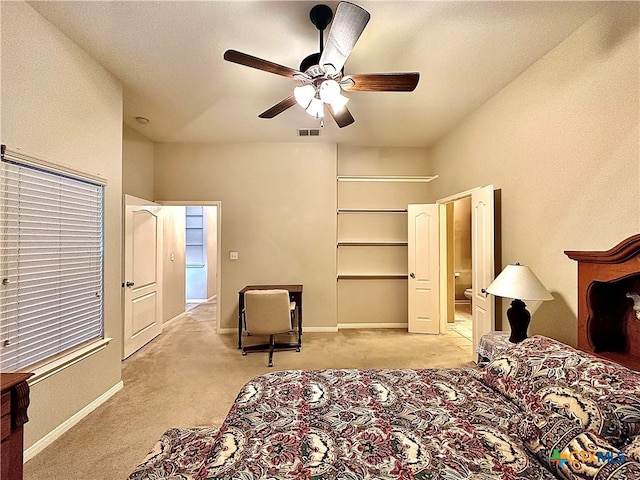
{"points": [[388, 178], [372, 276], [372, 210], [372, 244]]}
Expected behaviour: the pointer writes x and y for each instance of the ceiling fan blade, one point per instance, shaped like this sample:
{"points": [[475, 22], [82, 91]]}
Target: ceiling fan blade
{"points": [[342, 117], [258, 63], [347, 26], [381, 82], [278, 108]]}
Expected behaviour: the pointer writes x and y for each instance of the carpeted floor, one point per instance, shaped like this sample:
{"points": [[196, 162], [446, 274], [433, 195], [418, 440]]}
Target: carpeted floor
{"points": [[189, 376]]}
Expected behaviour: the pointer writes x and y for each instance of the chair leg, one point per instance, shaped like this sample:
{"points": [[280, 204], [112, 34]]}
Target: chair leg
{"points": [[272, 341]]}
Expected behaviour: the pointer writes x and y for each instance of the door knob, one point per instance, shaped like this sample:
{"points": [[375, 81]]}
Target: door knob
{"points": [[129, 284], [412, 275]]}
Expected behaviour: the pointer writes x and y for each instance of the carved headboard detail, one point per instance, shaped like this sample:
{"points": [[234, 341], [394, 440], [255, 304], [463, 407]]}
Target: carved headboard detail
{"points": [[609, 301]]}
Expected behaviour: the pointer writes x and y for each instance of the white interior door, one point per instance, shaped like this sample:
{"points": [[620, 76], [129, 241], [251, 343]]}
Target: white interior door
{"points": [[424, 299], [482, 261], [142, 273]]}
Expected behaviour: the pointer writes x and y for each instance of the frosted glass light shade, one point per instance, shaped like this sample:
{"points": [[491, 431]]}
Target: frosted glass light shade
{"points": [[304, 95], [330, 92], [518, 282], [316, 108], [339, 102]]}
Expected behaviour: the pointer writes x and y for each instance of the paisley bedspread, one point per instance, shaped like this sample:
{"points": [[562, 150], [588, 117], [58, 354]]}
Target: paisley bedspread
{"points": [[445, 424]]}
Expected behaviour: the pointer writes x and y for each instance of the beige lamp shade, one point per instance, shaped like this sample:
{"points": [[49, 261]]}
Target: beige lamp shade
{"points": [[518, 282]]}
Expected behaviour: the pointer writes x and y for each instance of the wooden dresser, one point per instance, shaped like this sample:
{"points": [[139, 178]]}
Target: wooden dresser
{"points": [[15, 400]]}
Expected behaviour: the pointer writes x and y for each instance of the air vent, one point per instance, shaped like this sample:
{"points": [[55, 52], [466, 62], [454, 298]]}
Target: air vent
{"points": [[308, 132]]}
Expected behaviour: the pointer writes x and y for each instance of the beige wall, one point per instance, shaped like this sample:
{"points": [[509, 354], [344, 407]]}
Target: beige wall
{"points": [[137, 164], [173, 261], [561, 143], [278, 210], [58, 104]]}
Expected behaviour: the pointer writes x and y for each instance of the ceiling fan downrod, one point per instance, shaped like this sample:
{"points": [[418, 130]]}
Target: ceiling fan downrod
{"points": [[320, 16]]}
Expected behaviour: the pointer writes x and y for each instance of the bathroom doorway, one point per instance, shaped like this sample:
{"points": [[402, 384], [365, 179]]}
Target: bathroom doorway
{"points": [[457, 274], [462, 293], [467, 269]]}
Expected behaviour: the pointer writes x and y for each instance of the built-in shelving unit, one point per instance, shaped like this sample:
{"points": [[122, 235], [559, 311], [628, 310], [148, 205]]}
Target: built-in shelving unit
{"points": [[371, 244]]}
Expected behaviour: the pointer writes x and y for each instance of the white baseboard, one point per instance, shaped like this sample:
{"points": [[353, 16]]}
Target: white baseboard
{"points": [[372, 325], [320, 329], [53, 435]]}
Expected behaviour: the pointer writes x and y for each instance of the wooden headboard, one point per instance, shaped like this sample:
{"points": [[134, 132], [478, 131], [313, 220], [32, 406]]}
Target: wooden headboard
{"points": [[608, 291]]}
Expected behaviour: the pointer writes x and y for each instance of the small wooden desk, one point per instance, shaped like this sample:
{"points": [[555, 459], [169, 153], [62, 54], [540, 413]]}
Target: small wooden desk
{"points": [[15, 400], [295, 295]]}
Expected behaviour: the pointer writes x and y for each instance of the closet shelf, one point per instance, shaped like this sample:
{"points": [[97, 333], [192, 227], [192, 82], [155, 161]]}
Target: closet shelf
{"points": [[372, 210], [343, 276], [372, 244], [387, 178]]}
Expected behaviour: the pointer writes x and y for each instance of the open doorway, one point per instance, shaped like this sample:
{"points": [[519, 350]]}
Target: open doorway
{"points": [[467, 271], [191, 257], [459, 321], [200, 254]]}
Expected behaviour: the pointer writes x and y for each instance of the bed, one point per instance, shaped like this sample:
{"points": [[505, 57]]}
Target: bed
{"points": [[538, 410]]}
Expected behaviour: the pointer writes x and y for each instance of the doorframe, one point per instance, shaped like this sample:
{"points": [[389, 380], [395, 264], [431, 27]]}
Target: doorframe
{"points": [[444, 219], [209, 203]]}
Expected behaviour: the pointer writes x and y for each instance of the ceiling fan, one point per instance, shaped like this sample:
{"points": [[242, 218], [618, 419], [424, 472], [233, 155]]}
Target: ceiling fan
{"points": [[321, 75]]}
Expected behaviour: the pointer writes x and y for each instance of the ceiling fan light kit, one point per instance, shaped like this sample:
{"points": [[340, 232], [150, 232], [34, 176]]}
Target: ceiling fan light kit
{"points": [[322, 74]]}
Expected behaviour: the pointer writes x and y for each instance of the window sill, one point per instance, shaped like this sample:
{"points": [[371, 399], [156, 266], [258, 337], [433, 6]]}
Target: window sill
{"points": [[59, 364]]}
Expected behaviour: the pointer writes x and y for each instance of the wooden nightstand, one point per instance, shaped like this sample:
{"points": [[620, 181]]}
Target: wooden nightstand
{"points": [[490, 345]]}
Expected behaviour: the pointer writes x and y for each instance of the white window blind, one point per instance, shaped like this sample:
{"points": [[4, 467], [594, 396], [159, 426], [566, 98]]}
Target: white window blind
{"points": [[51, 264]]}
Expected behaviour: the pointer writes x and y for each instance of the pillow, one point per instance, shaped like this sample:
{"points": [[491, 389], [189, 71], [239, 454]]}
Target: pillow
{"points": [[540, 374], [570, 452]]}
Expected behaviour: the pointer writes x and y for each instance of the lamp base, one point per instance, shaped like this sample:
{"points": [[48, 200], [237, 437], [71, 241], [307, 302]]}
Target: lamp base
{"points": [[519, 318]]}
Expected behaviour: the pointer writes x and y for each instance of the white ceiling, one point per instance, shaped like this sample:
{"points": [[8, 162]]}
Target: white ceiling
{"points": [[168, 55]]}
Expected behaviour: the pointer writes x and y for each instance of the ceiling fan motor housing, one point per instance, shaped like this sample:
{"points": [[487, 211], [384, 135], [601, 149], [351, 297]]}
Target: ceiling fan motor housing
{"points": [[321, 16], [310, 65]]}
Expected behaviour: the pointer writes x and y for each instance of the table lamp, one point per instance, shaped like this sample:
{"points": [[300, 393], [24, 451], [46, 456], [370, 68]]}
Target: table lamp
{"points": [[520, 283]]}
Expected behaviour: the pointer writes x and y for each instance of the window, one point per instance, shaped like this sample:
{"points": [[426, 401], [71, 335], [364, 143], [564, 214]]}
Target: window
{"points": [[51, 263]]}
